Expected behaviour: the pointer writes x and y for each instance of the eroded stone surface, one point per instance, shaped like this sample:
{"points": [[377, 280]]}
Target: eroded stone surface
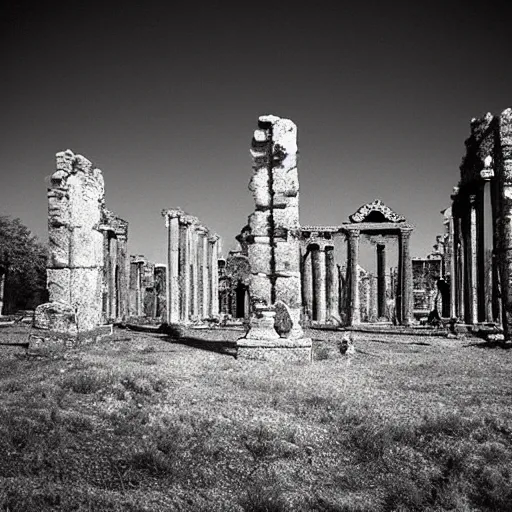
{"points": [[56, 316], [273, 247]]}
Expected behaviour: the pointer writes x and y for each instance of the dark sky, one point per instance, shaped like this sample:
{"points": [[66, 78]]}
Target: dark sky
{"points": [[164, 99]]}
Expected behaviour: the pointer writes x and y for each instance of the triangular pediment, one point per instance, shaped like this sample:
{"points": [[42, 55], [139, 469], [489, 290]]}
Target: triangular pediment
{"points": [[376, 211]]}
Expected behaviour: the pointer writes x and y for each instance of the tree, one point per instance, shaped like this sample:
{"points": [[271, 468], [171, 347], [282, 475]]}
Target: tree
{"points": [[23, 265]]}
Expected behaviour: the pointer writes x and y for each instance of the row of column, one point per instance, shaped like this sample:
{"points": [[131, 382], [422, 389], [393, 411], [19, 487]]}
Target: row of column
{"points": [[320, 283], [474, 287], [404, 288], [192, 278]]}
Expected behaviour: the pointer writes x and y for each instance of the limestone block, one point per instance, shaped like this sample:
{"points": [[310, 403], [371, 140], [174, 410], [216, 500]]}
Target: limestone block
{"points": [[59, 241], [287, 289], [86, 248], [286, 181], [56, 316], [259, 223], [86, 294], [260, 288], [259, 186], [260, 258], [64, 160], [58, 281], [287, 257]]}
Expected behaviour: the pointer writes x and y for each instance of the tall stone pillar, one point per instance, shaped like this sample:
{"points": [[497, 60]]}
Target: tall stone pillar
{"points": [[214, 275], [505, 219], [307, 285], [354, 312], [173, 288], [319, 291], [472, 262], [373, 309], [495, 267], [123, 263], [112, 284], [406, 283], [194, 257], [206, 277], [2, 288], [331, 284], [76, 259], [185, 264], [274, 249], [381, 280], [452, 263]]}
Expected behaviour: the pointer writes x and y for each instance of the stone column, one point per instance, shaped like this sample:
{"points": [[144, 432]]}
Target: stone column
{"points": [[319, 295], [481, 263], [307, 285], [274, 248], [354, 313], [406, 283], [2, 288], [185, 259], [453, 260], [173, 288], [194, 258], [123, 265], [381, 280], [373, 309], [331, 284], [472, 262], [206, 277], [112, 285], [495, 267], [504, 219], [214, 275]]}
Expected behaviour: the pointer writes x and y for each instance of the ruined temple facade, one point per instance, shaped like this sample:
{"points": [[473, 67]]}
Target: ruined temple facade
{"points": [[87, 270], [192, 283], [481, 273], [352, 296]]}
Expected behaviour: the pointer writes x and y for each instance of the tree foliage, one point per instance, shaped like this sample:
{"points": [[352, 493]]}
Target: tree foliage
{"points": [[23, 262]]}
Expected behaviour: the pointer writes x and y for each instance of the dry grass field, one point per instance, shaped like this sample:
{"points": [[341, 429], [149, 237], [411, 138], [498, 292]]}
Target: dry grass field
{"points": [[142, 422]]}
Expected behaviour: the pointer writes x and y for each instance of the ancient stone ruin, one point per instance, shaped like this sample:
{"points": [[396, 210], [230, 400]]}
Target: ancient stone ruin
{"points": [[192, 261], [87, 270], [480, 272], [274, 247], [333, 296]]}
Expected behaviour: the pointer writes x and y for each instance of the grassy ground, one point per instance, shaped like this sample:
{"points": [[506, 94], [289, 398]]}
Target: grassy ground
{"points": [[140, 422]]}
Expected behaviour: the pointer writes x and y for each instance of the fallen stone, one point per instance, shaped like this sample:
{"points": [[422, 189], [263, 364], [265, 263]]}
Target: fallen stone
{"points": [[56, 316]]}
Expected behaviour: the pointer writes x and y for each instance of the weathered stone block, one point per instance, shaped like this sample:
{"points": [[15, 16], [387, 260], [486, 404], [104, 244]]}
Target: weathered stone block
{"points": [[260, 287], [87, 248], [287, 289], [259, 186], [58, 283], [56, 316], [86, 294], [260, 223], [287, 217], [260, 258], [287, 257]]}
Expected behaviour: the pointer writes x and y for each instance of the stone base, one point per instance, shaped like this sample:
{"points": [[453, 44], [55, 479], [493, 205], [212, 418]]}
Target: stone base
{"points": [[56, 316], [275, 350]]}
